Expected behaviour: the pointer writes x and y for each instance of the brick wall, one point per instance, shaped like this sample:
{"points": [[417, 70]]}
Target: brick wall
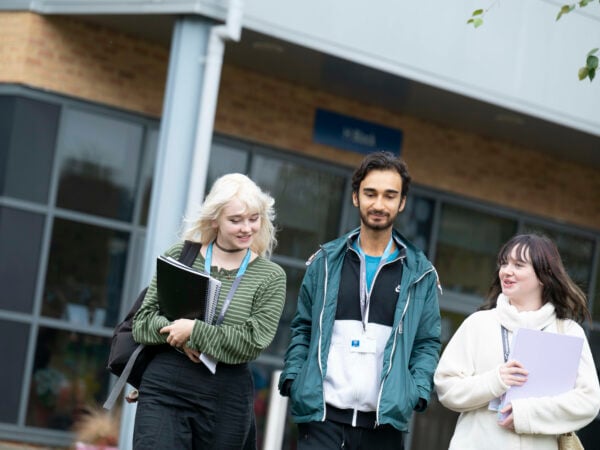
{"points": [[72, 57], [92, 62]]}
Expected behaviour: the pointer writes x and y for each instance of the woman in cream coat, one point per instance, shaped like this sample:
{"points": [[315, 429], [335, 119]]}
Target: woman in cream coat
{"points": [[531, 290]]}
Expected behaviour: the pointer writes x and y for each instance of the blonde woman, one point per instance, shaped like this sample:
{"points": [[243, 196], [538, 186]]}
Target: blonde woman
{"points": [[182, 404], [531, 289]]}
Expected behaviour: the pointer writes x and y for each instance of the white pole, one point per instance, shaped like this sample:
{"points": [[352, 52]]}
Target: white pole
{"points": [[276, 416], [219, 35]]}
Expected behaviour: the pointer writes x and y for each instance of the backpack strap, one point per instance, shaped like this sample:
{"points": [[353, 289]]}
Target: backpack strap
{"points": [[188, 255], [189, 252]]}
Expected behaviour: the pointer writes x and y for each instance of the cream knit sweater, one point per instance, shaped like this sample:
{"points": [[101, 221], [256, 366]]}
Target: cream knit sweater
{"points": [[467, 379]]}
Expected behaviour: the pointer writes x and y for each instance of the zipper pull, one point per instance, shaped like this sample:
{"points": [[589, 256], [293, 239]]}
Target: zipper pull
{"points": [[401, 327]]}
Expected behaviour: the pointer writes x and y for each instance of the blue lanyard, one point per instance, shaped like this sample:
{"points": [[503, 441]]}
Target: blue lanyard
{"points": [[238, 278], [365, 292]]}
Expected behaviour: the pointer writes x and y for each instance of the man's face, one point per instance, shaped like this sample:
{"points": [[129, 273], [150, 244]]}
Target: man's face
{"points": [[379, 199]]}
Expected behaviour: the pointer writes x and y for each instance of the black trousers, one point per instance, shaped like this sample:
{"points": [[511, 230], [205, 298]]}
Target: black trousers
{"points": [[331, 435], [183, 406]]}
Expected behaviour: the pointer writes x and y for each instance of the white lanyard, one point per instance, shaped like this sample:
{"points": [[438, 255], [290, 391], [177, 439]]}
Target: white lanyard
{"points": [[238, 277], [365, 292]]}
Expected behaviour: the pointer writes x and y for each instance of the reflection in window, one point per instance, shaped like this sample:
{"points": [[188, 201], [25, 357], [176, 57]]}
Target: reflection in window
{"points": [[147, 175], [69, 375], [20, 243], [27, 139], [467, 247], [307, 200], [99, 163], [415, 221], [225, 159], [576, 253], [85, 274], [596, 298]]}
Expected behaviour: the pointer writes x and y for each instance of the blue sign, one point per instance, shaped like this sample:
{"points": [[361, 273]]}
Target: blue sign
{"points": [[349, 133]]}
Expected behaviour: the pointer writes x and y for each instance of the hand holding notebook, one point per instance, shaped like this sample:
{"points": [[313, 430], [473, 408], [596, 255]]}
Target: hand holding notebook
{"points": [[551, 359]]}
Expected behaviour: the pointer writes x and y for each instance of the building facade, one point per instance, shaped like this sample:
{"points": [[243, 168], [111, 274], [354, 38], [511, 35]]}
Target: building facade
{"points": [[88, 100]]}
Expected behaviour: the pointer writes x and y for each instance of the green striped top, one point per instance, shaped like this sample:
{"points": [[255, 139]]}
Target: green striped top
{"points": [[250, 322]]}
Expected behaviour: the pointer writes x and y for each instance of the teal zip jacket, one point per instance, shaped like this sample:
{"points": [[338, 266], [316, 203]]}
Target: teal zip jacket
{"points": [[411, 353]]}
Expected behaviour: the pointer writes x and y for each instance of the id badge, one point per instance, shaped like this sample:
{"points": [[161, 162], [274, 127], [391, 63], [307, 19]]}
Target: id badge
{"points": [[494, 404], [363, 344]]}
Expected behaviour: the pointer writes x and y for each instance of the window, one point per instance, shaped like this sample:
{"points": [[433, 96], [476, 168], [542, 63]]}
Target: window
{"points": [[99, 160], [64, 270], [595, 300], [576, 253], [69, 374], [308, 201], [27, 138], [467, 248], [14, 339], [20, 247], [85, 274], [416, 221]]}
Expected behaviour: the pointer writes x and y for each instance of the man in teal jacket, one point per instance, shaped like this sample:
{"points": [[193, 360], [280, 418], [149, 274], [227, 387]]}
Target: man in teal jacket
{"points": [[366, 335]]}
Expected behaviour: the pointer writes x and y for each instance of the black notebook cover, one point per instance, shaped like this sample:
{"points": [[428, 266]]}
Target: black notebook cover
{"points": [[184, 292]]}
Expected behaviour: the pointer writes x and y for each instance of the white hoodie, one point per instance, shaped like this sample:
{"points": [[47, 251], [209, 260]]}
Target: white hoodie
{"points": [[467, 379]]}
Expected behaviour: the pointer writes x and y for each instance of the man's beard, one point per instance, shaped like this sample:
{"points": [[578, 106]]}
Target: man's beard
{"points": [[378, 226]]}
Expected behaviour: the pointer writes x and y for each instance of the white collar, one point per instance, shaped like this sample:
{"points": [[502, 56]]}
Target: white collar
{"points": [[513, 319]]}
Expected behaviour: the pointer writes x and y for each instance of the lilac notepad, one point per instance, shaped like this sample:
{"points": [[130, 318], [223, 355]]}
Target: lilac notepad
{"points": [[551, 359]]}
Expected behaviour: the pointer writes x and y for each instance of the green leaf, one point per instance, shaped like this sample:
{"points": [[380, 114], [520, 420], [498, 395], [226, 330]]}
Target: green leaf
{"points": [[592, 51], [592, 74], [583, 3], [564, 10], [583, 73], [477, 12], [592, 62], [476, 22]]}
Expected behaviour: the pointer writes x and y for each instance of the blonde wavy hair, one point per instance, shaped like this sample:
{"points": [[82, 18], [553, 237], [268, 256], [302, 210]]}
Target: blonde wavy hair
{"points": [[226, 188]]}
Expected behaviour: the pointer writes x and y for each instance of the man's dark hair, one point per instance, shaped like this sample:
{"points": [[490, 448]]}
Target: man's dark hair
{"points": [[381, 161]]}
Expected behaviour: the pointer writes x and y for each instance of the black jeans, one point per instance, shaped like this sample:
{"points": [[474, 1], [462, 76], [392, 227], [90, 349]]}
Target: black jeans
{"points": [[331, 435], [183, 406]]}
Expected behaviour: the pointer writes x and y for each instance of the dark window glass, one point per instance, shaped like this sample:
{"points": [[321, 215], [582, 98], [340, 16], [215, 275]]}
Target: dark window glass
{"points": [[307, 200], [99, 161], [69, 374], [27, 139], [576, 253], [467, 248], [282, 337], [13, 348], [416, 220], [596, 297], [20, 243], [225, 159], [85, 274]]}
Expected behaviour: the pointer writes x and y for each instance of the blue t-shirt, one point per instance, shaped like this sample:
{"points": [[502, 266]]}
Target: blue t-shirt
{"points": [[372, 262]]}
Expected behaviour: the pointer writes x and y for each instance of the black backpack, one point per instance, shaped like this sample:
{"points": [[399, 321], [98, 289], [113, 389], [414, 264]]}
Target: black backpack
{"points": [[128, 359]]}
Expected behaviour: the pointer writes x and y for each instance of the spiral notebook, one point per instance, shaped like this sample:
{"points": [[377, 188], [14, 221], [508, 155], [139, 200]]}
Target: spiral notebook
{"points": [[184, 292]]}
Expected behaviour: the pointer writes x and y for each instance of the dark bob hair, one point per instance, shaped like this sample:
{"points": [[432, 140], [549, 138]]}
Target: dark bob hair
{"points": [[557, 286]]}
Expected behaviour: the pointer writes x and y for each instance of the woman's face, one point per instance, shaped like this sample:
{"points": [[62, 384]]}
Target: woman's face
{"points": [[518, 279], [236, 226]]}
